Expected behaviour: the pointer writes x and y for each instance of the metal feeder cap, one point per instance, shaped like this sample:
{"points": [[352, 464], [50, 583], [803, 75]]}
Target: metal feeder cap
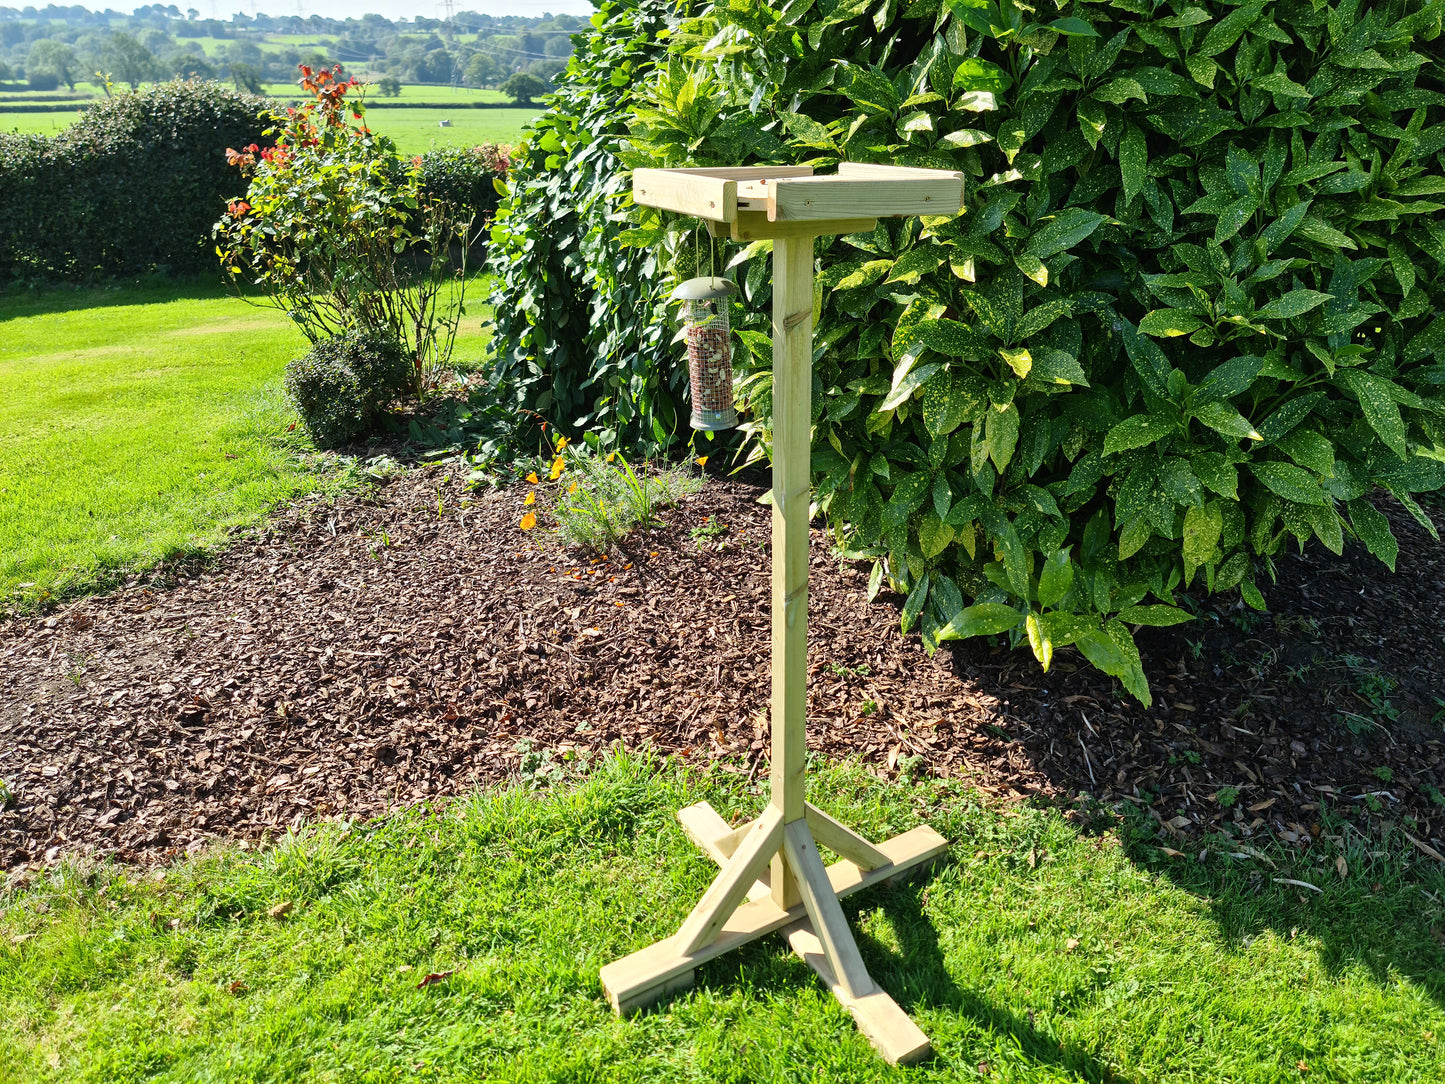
{"points": [[707, 288]]}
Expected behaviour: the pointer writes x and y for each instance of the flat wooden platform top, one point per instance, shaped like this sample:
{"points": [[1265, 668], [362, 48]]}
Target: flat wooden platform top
{"points": [[793, 194]]}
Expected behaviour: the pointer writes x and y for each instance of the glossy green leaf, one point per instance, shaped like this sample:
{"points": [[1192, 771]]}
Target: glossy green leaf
{"points": [[1295, 303], [1290, 482], [1223, 418], [1136, 432], [1373, 529], [1168, 323], [1055, 578], [1380, 408], [1159, 615], [982, 619]]}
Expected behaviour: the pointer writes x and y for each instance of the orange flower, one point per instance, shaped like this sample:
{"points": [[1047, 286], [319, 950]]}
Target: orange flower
{"points": [[528, 521], [557, 467], [531, 498], [702, 461], [532, 477], [572, 489]]}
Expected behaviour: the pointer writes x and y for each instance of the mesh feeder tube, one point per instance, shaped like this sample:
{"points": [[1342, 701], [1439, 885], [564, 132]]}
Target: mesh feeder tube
{"points": [[709, 350]]}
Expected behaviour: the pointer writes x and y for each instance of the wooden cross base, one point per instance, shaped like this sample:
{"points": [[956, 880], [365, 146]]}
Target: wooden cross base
{"points": [[777, 868]]}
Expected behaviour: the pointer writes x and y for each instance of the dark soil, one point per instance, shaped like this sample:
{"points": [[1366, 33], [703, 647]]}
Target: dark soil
{"points": [[400, 644]]}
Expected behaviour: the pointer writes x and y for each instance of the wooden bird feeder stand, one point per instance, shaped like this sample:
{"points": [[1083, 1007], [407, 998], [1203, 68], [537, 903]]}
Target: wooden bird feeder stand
{"points": [[772, 863]]}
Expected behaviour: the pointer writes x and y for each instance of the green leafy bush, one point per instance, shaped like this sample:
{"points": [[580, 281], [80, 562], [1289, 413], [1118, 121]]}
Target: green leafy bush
{"points": [[336, 229], [343, 385], [467, 179], [134, 185], [1191, 311]]}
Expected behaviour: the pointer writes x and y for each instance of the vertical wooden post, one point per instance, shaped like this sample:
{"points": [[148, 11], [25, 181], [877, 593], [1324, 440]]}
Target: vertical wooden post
{"points": [[792, 394], [792, 449]]}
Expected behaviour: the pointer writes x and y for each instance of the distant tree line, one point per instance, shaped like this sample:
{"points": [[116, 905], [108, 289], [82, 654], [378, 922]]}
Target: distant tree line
{"points": [[55, 46]]}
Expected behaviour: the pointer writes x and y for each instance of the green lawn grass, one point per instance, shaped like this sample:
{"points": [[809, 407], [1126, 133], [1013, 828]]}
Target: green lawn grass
{"points": [[135, 424], [1035, 953], [139, 423]]}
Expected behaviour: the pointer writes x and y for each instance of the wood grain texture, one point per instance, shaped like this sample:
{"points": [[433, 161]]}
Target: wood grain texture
{"points": [[810, 198], [824, 911], [842, 840], [731, 884], [792, 448], [696, 194], [893, 1034], [754, 226]]}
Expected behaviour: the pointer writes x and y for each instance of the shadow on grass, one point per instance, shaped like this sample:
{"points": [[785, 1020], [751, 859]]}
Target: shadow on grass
{"points": [[1387, 917], [915, 973], [17, 302]]}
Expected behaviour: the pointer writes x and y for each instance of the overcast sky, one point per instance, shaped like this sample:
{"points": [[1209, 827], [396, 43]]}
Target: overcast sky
{"points": [[392, 9]]}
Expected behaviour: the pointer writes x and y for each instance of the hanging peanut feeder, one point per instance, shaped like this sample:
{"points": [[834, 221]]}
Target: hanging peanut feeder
{"points": [[709, 350]]}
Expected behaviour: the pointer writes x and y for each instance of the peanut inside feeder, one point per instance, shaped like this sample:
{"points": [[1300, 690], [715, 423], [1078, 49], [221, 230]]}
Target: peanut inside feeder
{"points": [[709, 350]]}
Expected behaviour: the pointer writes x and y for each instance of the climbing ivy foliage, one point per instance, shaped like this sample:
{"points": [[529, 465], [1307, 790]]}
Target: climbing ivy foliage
{"points": [[581, 340], [1190, 313]]}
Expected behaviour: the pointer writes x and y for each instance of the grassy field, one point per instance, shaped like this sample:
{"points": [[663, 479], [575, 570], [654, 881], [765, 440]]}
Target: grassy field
{"points": [[1034, 954], [416, 130], [411, 92], [138, 423], [43, 123]]}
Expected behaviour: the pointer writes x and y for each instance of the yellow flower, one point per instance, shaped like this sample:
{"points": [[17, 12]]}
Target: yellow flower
{"points": [[558, 465], [532, 477], [528, 521], [531, 498], [702, 461], [611, 456], [572, 489], [561, 443]]}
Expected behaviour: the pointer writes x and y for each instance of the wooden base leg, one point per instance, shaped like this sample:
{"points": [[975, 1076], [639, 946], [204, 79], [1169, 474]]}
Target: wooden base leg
{"points": [[648, 969], [891, 1031], [641, 978]]}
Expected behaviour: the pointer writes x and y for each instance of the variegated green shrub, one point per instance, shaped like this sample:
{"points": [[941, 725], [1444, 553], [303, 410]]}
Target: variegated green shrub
{"points": [[1191, 311]]}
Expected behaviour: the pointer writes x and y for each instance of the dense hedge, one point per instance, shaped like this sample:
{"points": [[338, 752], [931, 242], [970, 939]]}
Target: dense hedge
{"points": [[138, 182], [342, 386], [134, 185], [1191, 312], [465, 177]]}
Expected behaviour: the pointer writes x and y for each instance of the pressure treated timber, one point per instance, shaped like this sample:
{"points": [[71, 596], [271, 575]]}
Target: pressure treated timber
{"points": [[731, 884], [755, 226], [842, 840], [688, 193], [636, 981], [797, 199], [774, 861], [824, 912], [893, 1034], [716, 840], [792, 442], [704, 193]]}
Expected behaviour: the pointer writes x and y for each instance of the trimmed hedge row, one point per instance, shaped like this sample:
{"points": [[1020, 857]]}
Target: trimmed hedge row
{"points": [[133, 186]]}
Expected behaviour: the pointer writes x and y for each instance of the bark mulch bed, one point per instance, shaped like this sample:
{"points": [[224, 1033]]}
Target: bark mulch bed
{"points": [[397, 645]]}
